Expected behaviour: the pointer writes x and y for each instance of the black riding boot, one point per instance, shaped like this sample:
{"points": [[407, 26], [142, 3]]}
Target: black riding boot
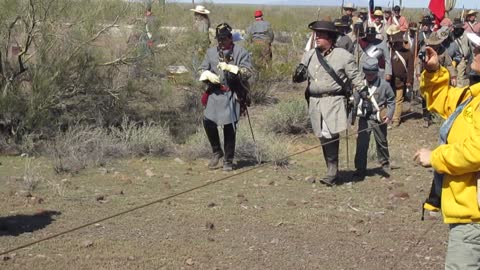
{"points": [[212, 134], [229, 146], [330, 149]]}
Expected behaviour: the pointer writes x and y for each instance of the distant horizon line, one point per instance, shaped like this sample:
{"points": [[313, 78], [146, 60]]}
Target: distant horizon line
{"points": [[295, 3]]}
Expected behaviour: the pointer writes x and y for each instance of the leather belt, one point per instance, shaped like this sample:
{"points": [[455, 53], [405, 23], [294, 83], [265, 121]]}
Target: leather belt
{"points": [[330, 94]]}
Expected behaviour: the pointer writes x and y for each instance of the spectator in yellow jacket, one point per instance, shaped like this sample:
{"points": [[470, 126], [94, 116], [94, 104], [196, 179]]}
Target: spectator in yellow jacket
{"points": [[457, 161]]}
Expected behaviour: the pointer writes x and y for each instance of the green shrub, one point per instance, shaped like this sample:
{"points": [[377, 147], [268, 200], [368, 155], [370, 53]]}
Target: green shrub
{"points": [[146, 139], [287, 117]]}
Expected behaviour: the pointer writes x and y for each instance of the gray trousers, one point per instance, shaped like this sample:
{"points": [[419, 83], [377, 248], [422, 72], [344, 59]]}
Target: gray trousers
{"points": [[463, 247], [365, 128]]}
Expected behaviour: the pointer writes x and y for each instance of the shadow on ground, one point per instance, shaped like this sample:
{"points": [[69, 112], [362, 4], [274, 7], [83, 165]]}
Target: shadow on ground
{"points": [[19, 224]]}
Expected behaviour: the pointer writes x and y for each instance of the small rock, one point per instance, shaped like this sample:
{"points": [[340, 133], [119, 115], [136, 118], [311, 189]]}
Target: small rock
{"points": [[209, 226], [402, 195], [87, 243], [131, 258], [271, 183], [179, 161], [211, 205], [5, 258], [210, 239], [149, 173], [167, 175], [290, 178], [274, 241], [291, 203], [189, 261], [99, 198], [121, 192], [310, 179]]}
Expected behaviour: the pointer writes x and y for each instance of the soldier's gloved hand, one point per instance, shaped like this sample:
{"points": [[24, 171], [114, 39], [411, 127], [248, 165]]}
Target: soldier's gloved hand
{"points": [[228, 67], [207, 75]]}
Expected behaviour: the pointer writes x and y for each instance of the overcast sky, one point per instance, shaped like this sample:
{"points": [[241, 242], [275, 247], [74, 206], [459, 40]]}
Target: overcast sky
{"points": [[408, 3]]}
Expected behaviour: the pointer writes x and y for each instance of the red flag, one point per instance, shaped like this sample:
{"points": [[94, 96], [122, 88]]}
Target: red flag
{"points": [[437, 7]]}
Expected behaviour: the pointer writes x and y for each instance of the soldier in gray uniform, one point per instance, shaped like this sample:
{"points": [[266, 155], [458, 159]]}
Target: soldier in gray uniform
{"points": [[376, 48], [261, 35], [374, 106], [326, 96], [344, 41], [460, 38], [225, 70]]}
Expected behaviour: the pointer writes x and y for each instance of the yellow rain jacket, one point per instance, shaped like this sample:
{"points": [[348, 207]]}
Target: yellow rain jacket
{"points": [[459, 159]]}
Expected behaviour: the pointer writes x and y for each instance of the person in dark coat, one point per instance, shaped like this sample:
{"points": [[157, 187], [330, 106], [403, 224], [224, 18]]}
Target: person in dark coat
{"points": [[225, 69], [402, 74]]}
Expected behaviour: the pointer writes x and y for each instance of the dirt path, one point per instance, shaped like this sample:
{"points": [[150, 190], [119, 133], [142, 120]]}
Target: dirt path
{"points": [[269, 218]]}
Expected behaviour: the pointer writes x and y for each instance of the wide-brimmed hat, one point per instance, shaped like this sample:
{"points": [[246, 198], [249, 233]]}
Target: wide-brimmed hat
{"points": [[349, 6], [436, 38], [378, 13], [200, 9], [472, 12], [474, 39], [427, 20], [323, 26], [392, 30], [363, 10], [398, 37], [370, 65]]}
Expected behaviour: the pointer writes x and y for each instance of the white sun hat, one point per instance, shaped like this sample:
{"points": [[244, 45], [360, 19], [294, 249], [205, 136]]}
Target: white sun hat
{"points": [[474, 39], [200, 9]]}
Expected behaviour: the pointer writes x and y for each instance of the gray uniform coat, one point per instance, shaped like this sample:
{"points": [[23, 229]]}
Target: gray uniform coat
{"points": [[384, 59], [330, 109], [222, 106], [260, 30], [384, 96]]}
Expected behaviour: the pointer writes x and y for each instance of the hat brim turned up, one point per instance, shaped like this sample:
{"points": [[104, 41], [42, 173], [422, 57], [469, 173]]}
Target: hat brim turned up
{"points": [[324, 26]]}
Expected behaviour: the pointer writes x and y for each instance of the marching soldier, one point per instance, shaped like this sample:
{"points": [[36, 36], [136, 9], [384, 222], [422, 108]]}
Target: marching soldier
{"points": [[225, 69], [460, 38], [376, 48], [374, 106], [402, 77], [344, 41], [398, 19], [379, 25], [329, 70], [260, 33], [471, 25]]}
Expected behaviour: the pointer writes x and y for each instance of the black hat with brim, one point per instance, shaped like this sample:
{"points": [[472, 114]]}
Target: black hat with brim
{"points": [[223, 30], [427, 20], [325, 26]]}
